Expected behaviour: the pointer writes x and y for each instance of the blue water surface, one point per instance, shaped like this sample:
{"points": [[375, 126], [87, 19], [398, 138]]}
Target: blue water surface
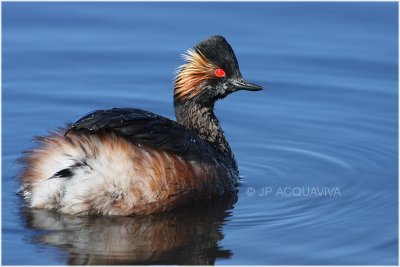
{"points": [[317, 149]]}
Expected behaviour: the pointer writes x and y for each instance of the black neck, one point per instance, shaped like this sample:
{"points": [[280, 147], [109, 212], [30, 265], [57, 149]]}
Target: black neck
{"points": [[200, 118]]}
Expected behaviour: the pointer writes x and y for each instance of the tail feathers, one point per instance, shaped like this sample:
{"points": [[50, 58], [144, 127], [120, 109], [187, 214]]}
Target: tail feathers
{"points": [[70, 171], [64, 173], [48, 193]]}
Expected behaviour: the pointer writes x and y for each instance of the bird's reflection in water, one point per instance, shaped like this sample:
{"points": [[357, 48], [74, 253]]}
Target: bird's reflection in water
{"points": [[187, 235]]}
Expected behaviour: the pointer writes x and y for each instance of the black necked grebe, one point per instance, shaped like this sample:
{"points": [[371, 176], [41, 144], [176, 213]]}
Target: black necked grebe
{"points": [[128, 161]]}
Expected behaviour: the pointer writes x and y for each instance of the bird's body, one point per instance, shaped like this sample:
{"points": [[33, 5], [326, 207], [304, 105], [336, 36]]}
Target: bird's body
{"points": [[130, 161], [124, 161]]}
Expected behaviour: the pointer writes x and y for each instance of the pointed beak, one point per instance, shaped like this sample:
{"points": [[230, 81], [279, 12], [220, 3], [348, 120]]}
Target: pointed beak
{"points": [[243, 84]]}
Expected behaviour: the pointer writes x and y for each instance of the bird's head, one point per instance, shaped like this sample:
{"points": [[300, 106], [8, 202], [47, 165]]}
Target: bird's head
{"points": [[211, 72]]}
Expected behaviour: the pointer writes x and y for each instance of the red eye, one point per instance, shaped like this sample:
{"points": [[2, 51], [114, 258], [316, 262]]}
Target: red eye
{"points": [[220, 73]]}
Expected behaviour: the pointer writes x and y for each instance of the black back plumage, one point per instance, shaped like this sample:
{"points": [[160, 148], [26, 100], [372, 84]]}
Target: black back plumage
{"points": [[144, 128]]}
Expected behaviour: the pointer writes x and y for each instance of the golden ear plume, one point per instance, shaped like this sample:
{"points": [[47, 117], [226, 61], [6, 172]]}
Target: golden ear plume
{"points": [[190, 75]]}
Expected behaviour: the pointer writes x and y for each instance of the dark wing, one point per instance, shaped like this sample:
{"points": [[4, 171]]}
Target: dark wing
{"points": [[143, 127]]}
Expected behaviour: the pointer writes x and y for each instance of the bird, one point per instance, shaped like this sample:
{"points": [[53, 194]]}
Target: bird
{"points": [[125, 161]]}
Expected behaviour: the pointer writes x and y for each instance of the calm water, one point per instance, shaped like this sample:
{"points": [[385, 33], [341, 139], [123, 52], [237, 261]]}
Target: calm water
{"points": [[317, 149]]}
